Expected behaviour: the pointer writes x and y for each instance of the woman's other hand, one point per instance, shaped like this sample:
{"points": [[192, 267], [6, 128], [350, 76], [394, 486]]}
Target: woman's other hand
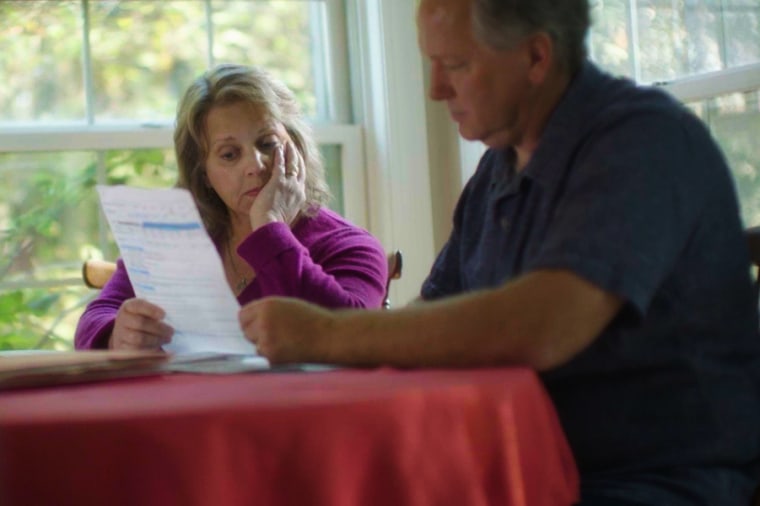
{"points": [[138, 326], [283, 196]]}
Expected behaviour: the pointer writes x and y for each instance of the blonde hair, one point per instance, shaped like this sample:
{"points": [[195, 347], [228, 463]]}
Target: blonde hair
{"points": [[228, 84]]}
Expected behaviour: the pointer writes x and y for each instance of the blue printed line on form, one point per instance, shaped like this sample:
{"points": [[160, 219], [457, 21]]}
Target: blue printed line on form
{"points": [[171, 226]]}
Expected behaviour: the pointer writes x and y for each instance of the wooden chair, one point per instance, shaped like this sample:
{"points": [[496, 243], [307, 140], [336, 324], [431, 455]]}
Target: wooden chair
{"points": [[96, 273], [395, 264], [752, 235]]}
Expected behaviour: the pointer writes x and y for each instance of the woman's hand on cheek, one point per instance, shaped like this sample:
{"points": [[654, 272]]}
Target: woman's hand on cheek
{"points": [[283, 196]]}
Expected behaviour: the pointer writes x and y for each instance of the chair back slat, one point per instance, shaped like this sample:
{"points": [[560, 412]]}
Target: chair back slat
{"points": [[96, 273], [395, 265], [752, 235]]}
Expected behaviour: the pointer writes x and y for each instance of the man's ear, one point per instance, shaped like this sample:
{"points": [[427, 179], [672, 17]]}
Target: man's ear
{"points": [[542, 56]]}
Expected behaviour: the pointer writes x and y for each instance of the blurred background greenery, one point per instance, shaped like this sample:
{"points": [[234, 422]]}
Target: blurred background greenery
{"points": [[72, 62]]}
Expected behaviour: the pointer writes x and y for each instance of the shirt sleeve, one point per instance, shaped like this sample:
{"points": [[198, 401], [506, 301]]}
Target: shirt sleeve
{"points": [[97, 320], [346, 268], [626, 213]]}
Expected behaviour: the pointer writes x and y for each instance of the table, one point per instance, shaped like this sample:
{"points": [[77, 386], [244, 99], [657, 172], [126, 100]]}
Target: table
{"points": [[343, 437]]}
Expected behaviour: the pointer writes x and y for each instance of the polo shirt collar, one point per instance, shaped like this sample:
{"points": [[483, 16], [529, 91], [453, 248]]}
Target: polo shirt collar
{"points": [[505, 180]]}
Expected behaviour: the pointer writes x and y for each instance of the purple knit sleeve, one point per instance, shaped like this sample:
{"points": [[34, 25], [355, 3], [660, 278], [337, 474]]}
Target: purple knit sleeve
{"points": [[342, 267], [96, 323]]}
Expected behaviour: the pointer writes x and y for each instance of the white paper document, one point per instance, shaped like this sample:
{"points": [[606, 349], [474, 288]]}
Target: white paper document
{"points": [[172, 262]]}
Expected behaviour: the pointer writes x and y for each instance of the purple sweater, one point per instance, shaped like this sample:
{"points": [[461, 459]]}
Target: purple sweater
{"points": [[325, 260]]}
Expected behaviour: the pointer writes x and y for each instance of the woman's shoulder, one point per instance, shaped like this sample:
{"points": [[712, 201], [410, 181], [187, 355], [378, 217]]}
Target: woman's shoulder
{"points": [[327, 226], [327, 220]]}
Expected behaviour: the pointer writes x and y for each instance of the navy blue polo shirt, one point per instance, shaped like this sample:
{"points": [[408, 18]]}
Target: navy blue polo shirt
{"points": [[628, 190]]}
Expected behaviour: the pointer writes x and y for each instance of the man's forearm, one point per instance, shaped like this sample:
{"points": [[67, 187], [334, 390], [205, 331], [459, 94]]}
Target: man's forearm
{"points": [[540, 321]]}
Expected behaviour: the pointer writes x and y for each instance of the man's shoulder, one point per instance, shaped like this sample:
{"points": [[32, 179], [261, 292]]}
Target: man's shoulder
{"points": [[619, 100], [598, 107], [595, 95], [619, 119]]}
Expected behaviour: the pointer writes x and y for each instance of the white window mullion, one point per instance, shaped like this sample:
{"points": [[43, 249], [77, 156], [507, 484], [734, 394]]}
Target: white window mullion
{"points": [[715, 84], [83, 138], [633, 38], [723, 47], [320, 61], [89, 87], [209, 12], [336, 61]]}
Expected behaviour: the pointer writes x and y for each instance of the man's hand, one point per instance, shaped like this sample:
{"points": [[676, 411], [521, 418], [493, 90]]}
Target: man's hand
{"points": [[287, 330], [138, 326]]}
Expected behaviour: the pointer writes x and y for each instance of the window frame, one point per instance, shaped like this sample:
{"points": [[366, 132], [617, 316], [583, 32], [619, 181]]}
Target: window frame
{"points": [[332, 126], [104, 137], [745, 78]]}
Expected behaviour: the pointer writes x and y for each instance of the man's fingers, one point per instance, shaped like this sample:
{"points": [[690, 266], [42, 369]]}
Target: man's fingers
{"points": [[250, 312], [253, 317]]}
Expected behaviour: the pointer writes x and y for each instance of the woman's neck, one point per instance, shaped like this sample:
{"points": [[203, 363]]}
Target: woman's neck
{"points": [[239, 230]]}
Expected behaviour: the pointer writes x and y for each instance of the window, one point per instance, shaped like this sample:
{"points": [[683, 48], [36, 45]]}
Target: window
{"points": [[89, 97], [706, 53]]}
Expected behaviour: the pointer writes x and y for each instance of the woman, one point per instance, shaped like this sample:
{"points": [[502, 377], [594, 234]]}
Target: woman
{"points": [[249, 161]]}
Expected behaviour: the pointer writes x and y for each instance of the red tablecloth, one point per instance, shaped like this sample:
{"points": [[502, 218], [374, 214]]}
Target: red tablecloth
{"points": [[347, 437]]}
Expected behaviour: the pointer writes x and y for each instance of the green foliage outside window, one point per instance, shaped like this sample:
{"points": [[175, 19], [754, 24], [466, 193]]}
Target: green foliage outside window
{"points": [[132, 66], [53, 224], [142, 54]]}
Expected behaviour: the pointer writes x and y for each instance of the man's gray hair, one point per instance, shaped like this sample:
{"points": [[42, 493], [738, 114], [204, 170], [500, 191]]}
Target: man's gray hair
{"points": [[502, 23]]}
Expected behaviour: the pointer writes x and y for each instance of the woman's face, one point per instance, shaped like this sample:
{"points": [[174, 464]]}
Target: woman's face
{"points": [[242, 139]]}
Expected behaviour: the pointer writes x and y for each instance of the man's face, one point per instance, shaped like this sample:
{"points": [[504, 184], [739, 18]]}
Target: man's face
{"points": [[485, 89]]}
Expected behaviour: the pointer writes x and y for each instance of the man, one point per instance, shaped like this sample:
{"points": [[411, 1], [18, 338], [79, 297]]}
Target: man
{"points": [[598, 242]]}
